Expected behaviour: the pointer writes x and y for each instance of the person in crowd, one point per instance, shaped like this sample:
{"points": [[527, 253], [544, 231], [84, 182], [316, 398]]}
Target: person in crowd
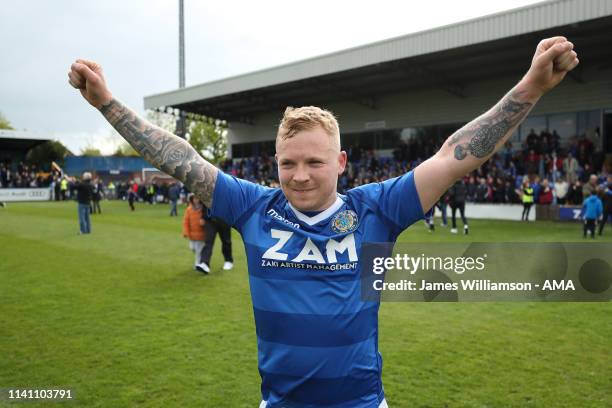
{"points": [[590, 187], [112, 190], [527, 198], [64, 188], [570, 168], [97, 196], [536, 188], [498, 190], [607, 204], [429, 220], [132, 195], [84, 194], [174, 193], [532, 162], [561, 189], [483, 191], [57, 188], [546, 194], [212, 227], [510, 195], [456, 199], [532, 140], [592, 210], [472, 188], [555, 141], [4, 175], [442, 204], [574, 194], [150, 193], [193, 230]]}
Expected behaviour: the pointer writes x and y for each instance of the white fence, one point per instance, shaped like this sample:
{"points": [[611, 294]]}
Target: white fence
{"points": [[25, 194], [510, 212]]}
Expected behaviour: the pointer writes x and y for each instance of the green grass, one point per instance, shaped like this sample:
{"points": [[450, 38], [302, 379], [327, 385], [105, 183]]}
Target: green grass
{"points": [[121, 318]]}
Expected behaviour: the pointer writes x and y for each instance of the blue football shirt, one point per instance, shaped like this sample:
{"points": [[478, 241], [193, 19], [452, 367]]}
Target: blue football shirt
{"points": [[317, 340]]}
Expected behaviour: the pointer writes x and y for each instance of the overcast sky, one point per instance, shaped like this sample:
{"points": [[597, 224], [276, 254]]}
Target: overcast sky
{"points": [[136, 41]]}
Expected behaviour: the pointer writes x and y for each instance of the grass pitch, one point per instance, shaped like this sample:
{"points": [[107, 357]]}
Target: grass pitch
{"points": [[121, 319]]}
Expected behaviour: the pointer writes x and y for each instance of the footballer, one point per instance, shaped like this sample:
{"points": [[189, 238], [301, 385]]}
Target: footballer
{"points": [[317, 340]]}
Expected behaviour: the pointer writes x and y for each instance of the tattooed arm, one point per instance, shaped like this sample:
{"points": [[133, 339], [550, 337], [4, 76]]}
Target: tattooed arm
{"points": [[472, 145], [169, 153]]}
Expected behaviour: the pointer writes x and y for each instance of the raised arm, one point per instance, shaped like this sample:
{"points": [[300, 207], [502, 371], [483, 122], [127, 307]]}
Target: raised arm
{"points": [[473, 144], [169, 153]]}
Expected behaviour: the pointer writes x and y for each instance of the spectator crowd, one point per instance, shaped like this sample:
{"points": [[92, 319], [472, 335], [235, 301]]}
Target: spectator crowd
{"points": [[23, 176], [566, 175]]}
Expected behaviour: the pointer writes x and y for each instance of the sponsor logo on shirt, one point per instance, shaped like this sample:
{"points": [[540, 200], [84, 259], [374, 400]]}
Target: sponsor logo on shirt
{"points": [[276, 216], [309, 251]]}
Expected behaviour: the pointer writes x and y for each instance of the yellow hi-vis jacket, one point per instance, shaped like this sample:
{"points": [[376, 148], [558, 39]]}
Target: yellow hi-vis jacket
{"points": [[527, 195]]}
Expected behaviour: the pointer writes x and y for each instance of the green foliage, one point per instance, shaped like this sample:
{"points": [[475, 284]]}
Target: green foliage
{"points": [[121, 317], [47, 152], [90, 151], [4, 123], [126, 150], [162, 119], [208, 137]]}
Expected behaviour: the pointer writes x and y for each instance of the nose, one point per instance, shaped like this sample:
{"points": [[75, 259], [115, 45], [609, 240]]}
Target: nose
{"points": [[301, 174]]}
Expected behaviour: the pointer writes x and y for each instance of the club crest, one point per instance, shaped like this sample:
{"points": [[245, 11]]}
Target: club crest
{"points": [[344, 221]]}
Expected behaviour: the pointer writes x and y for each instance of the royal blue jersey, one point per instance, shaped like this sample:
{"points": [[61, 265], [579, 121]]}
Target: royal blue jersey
{"points": [[317, 340]]}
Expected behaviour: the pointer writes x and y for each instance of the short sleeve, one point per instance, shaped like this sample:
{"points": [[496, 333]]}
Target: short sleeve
{"points": [[233, 197], [396, 199]]}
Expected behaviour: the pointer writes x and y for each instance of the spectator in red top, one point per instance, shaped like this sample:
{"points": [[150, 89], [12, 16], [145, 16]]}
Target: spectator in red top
{"points": [[546, 194]]}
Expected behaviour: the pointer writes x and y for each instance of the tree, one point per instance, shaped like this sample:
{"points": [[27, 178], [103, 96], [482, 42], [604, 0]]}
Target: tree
{"points": [[90, 151], [4, 123], [45, 153], [208, 137], [126, 150], [164, 120]]}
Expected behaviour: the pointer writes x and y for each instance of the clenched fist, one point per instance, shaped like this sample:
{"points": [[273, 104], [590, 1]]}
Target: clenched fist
{"points": [[87, 77], [553, 59]]}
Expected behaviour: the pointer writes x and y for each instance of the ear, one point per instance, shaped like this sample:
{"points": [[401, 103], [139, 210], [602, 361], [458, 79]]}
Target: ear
{"points": [[342, 159]]}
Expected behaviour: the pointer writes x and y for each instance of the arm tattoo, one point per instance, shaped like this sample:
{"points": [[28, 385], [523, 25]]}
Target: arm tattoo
{"points": [[480, 137], [169, 153]]}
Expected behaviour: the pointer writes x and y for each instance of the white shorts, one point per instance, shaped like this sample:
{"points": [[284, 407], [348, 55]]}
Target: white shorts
{"points": [[383, 404]]}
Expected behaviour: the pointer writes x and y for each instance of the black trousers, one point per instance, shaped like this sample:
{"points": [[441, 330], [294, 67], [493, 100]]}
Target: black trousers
{"points": [[589, 225], [604, 220], [211, 229], [96, 207], [461, 207], [526, 208]]}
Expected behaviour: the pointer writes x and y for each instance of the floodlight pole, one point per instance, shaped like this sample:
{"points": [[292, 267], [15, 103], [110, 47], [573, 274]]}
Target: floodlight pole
{"points": [[180, 122], [181, 44]]}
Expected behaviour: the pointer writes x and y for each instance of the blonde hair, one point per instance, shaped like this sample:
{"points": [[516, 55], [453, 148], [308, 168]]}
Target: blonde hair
{"points": [[306, 118]]}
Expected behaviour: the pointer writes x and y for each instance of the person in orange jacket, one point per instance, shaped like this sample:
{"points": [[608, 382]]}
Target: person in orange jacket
{"points": [[193, 229]]}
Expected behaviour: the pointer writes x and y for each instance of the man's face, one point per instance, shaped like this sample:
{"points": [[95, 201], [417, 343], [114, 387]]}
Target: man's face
{"points": [[309, 164]]}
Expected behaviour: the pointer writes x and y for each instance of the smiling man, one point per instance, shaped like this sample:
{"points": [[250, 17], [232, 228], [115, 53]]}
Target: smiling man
{"points": [[317, 340]]}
